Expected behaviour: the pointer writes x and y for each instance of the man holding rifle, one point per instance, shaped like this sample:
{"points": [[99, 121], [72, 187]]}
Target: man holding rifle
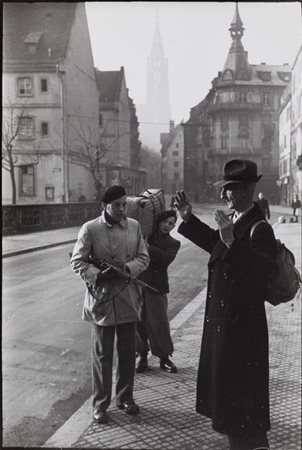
{"points": [[109, 255]]}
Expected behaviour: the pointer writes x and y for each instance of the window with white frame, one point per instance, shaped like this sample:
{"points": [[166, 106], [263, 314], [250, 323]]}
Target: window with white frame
{"points": [[175, 153], [27, 181], [25, 87], [26, 127], [49, 192]]}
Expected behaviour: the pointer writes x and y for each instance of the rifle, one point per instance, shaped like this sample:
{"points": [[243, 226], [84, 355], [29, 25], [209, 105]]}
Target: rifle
{"points": [[105, 266], [102, 264]]}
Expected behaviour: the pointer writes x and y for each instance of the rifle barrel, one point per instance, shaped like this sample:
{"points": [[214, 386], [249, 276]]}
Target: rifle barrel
{"points": [[127, 276]]}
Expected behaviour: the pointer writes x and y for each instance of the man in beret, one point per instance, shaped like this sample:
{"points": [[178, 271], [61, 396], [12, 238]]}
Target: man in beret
{"points": [[233, 374], [111, 304]]}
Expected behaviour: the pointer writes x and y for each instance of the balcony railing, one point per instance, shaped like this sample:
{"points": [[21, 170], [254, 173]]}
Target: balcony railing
{"points": [[28, 218], [234, 151], [232, 106]]}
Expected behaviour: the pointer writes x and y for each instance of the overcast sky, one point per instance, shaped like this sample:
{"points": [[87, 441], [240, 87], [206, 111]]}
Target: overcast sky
{"points": [[195, 38]]}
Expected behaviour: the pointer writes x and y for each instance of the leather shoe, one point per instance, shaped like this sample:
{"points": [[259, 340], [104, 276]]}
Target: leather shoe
{"points": [[168, 366], [100, 416], [142, 365], [129, 407]]}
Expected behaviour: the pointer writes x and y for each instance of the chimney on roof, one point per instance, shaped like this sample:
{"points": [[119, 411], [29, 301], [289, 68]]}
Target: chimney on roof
{"points": [[172, 125]]}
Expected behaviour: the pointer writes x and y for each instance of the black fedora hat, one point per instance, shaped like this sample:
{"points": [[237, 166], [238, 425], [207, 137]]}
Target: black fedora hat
{"points": [[239, 171]]}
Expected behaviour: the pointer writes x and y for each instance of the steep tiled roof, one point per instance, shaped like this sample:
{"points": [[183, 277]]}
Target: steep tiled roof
{"points": [[38, 31], [109, 84]]}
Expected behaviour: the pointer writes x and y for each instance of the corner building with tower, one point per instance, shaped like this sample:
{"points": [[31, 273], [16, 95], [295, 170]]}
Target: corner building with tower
{"points": [[239, 118]]}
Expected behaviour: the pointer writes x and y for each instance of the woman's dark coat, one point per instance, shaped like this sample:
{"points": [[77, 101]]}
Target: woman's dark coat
{"points": [[162, 250], [233, 374]]}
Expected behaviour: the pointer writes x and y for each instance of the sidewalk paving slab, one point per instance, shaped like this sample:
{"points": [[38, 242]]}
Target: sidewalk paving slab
{"points": [[167, 418]]}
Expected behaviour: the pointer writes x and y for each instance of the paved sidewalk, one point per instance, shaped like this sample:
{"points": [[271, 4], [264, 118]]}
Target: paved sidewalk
{"points": [[167, 419], [39, 240]]}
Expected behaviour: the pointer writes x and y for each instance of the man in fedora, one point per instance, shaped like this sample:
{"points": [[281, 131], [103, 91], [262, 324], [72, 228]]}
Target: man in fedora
{"points": [[233, 374], [112, 305]]}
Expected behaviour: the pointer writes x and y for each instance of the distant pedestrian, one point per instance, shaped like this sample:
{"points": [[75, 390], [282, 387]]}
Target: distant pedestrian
{"points": [[154, 329], [296, 204], [118, 240], [82, 198], [233, 374], [263, 203]]}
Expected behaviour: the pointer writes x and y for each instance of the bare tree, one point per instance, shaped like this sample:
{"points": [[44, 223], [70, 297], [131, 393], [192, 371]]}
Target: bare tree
{"points": [[93, 147], [10, 131]]}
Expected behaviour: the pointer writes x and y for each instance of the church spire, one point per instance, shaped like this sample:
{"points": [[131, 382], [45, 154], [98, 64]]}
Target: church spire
{"points": [[157, 50], [237, 60]]}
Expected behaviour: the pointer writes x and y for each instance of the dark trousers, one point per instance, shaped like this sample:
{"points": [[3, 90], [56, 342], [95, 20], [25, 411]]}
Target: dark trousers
{"points": [[249, 441], [294, 214], [102, 359], [154, 328]]}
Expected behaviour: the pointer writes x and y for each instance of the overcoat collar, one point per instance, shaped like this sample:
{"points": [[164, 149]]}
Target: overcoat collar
{"points": [[123, 223]]}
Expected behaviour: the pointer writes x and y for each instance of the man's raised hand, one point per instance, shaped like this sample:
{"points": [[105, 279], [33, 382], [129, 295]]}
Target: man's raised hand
{"points": [[183, 205]]}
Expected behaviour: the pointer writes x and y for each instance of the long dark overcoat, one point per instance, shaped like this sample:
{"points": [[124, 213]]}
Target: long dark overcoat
{"points": [[233, 374]]}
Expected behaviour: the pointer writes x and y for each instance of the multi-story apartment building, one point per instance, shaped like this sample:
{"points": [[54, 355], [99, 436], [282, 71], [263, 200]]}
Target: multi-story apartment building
{"points": [[172, 158], [285, 146], [118, 126], [243, 116], [50, 103], [296, 127]]}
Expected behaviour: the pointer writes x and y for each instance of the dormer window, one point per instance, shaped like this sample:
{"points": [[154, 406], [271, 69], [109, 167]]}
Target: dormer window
{"points": [[227, 75], [32, 40], [264, 75], [284, 76], [25, 87]]}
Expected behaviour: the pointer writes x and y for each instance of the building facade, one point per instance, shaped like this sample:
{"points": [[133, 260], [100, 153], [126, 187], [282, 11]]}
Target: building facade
{"points": [[172, 152], [155, 114], [50, 103], [243, 110], [285, 147], [296, 127], [196, 145], [119, 158]]}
